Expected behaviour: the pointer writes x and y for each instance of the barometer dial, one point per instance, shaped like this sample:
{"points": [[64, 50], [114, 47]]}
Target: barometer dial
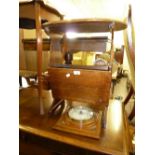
{"points": [[80, 113]]}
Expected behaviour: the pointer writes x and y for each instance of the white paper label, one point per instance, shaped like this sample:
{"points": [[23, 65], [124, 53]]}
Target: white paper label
{"points": [[76, 72]]}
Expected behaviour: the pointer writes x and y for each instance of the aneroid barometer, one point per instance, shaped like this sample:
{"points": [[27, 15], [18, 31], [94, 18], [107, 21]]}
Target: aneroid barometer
{"points": [[81, 113], [80, 87]]}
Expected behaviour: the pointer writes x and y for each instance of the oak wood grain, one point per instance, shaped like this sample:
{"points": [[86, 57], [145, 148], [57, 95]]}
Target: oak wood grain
{"points": [[79, 85], [112, 138]]}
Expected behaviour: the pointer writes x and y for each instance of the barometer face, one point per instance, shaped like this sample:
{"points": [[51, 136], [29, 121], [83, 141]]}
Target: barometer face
{"points": [[81, 113]]}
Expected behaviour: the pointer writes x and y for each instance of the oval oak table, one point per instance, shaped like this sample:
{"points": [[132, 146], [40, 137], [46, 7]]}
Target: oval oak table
{"points": [[88, 25]]}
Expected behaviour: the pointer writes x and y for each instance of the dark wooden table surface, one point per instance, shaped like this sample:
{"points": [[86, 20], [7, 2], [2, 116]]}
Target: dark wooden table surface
{"points": [[115, 137]]}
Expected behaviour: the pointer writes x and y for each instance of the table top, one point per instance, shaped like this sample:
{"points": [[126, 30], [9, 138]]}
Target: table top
{"points": [[27, 13], [92, 25], [113, 138]]}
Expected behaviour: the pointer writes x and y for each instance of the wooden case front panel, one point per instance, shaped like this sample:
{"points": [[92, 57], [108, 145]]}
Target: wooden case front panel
{"points": [[89, 86]]}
